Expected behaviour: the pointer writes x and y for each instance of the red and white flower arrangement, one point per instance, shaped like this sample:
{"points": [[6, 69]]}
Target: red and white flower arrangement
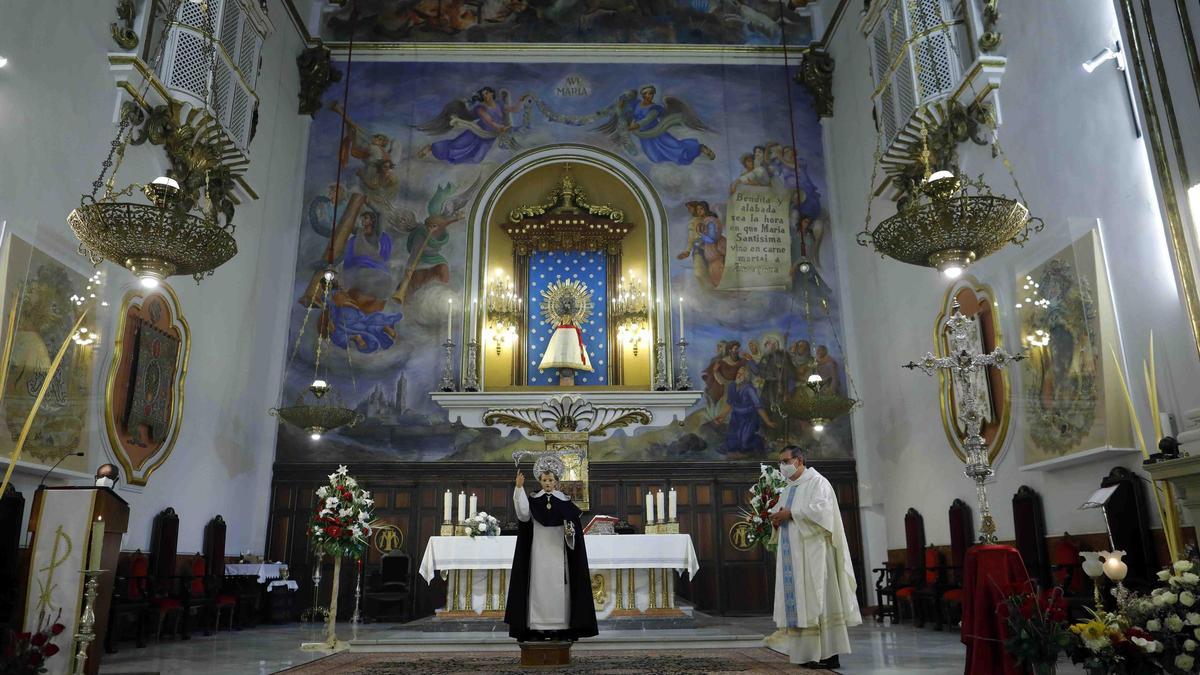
{"points": [[764, 495], [341, 522]]}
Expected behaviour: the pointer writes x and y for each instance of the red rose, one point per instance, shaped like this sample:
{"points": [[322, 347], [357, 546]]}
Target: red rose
{"points": [[1058, 614], [50, 650], [333, 531], [57, 628], [1027, 608], [38, 640]]}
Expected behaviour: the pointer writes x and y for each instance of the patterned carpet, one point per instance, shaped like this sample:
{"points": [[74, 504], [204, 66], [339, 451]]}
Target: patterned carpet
{"points": [[756, 660]]}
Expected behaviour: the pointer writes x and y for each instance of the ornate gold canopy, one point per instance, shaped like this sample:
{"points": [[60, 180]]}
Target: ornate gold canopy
{"points": [[568, 221]]}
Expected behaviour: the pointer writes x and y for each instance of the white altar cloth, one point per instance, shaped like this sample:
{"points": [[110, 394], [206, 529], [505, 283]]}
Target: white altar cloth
{"points": [[613, 557], [604, 551], [263, 571]]}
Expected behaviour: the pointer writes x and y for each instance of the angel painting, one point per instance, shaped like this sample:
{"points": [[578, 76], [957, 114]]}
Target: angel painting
{"points": [[484, 120], [651, 124]]}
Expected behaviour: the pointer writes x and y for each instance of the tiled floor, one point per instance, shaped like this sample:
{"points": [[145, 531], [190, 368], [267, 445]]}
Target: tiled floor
{"points": [[895, 650]]}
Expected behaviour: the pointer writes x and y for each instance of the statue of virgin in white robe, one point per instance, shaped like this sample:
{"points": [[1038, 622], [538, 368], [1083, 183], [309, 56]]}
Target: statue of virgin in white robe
{"points": [[815, 601]]}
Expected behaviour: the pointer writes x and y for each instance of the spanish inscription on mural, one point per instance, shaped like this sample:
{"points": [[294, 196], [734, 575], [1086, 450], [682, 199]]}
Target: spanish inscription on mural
{"points": [[758, 246]]}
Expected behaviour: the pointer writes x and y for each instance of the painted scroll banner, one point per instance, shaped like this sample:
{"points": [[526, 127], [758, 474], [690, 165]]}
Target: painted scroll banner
{"points": [[55, 590], [758, 252]]}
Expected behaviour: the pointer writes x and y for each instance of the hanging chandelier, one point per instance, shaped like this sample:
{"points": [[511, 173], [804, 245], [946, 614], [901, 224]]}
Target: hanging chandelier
{"points": [[322, 411], [950, 222], [317, 414], [820, 407], [169, 234]]}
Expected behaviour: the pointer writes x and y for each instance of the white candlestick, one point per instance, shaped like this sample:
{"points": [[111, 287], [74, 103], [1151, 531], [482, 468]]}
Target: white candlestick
{"points": [[474, 508], [672, 505], [649, 508], [462, 507], [449, 316], [97, 544], [681, 317], [662, 507], [474, 309], [447, 506]]}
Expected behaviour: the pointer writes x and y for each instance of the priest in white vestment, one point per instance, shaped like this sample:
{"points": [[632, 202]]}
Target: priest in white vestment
{"points": [[815, 600]]}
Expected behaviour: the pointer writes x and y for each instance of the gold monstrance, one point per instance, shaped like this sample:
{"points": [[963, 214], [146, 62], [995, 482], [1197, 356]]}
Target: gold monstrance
{"points": [[566, 305]]}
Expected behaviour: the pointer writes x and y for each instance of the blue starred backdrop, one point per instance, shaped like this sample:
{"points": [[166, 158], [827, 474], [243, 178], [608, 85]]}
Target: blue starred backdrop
{"points": [[591, 268]]}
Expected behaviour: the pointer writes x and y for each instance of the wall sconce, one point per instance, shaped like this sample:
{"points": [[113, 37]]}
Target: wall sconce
{"points": [[628, 311], [504, 311]]}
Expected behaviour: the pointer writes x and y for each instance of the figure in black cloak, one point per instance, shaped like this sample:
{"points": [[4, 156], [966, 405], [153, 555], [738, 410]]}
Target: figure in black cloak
{"points": [[550, 589]]}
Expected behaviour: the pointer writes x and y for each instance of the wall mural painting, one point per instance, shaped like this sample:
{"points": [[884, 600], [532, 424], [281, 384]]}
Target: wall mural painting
{"points": [[41, 287], [740, 22], [743, 212]]}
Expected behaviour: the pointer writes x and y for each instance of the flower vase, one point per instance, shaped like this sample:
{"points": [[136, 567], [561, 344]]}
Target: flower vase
{"points": [[330, 630]]}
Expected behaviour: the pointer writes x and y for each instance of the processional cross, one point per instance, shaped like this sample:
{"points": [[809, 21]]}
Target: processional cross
{"points": [[963, 363]]}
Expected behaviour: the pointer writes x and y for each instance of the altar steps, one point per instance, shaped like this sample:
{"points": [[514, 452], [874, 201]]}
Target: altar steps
{"points": [[499, 641]]}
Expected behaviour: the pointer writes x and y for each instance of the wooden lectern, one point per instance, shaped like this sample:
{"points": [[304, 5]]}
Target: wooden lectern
{"points": [[59, 552]]}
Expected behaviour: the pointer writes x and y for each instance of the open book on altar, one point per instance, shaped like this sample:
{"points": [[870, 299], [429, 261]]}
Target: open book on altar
{"points": [[601, 525]]}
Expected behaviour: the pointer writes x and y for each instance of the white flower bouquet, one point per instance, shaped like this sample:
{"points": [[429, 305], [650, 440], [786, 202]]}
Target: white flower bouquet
{"points": [[483, 525]]}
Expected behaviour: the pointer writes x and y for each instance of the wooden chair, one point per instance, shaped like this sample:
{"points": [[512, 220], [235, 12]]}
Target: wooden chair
{"points": [[130, 603], [912, 576], [166, 594], [947, 594], [204, 599], [886, 583], [1029, 528], [237, 596], [1066, 572], [390, 588]]}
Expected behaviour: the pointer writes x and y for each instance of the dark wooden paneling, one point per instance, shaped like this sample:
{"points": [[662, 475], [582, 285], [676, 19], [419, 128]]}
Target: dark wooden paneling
{"points": [[711, 496]]}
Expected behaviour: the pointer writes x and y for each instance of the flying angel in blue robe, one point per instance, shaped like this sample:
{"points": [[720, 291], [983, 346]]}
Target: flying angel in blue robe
{"points": [[639, 118]]}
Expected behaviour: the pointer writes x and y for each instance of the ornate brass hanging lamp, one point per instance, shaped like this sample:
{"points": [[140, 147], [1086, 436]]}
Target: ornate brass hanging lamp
{"points": [[950, 221], [172, 234]]}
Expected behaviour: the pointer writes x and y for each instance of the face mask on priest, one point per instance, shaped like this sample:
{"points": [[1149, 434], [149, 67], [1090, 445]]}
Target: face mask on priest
{"points": [[791, 462]]}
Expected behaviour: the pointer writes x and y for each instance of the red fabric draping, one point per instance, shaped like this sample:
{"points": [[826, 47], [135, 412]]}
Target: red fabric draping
{"points": [[990, 573], [578, 334]]}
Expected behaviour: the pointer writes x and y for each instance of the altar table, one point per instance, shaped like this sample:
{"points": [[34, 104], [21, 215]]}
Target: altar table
{"points": [[630, 573], [263, 571]]}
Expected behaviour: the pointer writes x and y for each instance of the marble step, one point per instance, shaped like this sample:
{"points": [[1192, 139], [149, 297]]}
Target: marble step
{"points": [[440, 641]]}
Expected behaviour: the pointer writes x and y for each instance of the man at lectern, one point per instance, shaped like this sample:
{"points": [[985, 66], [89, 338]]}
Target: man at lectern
{"points": [[550, 590]]}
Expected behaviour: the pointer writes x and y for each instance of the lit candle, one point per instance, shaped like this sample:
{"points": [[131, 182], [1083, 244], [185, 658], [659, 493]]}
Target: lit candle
{"points": [[673, 504], [474, 508], [449, 316], [681, 317], [474, 311], [447, 506], [462, 507], [662, 507], [649, 508], [97, 544]]}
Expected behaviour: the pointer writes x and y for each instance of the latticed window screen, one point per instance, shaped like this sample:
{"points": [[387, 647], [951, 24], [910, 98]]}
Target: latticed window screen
{"points": [[235, 62], [915, 62]]}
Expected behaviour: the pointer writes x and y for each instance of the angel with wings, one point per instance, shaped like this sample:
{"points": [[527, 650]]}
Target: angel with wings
{"points": [[651, 123], [483, 120]]}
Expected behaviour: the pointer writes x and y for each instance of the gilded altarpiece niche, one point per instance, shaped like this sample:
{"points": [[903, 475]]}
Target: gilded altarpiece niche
{"points": [[144, 395], [1071, 395], [41, 287]]}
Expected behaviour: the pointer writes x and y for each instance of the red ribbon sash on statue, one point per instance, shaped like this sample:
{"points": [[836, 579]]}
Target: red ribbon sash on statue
{"points": [[579, 334]]}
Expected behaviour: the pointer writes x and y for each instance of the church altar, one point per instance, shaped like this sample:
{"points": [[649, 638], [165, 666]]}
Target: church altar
{"points": [[630, 573]]}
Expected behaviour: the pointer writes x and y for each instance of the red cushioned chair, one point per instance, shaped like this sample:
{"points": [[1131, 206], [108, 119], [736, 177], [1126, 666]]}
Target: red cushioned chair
{"points": [[912, 576], [166, 596], [204, 599], [227, 595], [962, 536], [130, 603]]}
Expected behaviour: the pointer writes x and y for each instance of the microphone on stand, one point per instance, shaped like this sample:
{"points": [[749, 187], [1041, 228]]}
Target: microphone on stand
{"points": [[52, 468]]}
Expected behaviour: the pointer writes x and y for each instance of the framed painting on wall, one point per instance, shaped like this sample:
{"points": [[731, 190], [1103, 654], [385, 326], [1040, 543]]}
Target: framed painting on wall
{"points": [[1070, 392], [35, 291]]}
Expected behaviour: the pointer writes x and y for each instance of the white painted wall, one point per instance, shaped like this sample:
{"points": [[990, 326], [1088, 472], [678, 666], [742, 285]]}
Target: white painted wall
{"points": [[57, 102], [1070, 139]]}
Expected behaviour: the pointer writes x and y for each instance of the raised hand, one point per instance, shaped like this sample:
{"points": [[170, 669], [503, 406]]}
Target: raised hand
{"points": [[520, 479]]}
